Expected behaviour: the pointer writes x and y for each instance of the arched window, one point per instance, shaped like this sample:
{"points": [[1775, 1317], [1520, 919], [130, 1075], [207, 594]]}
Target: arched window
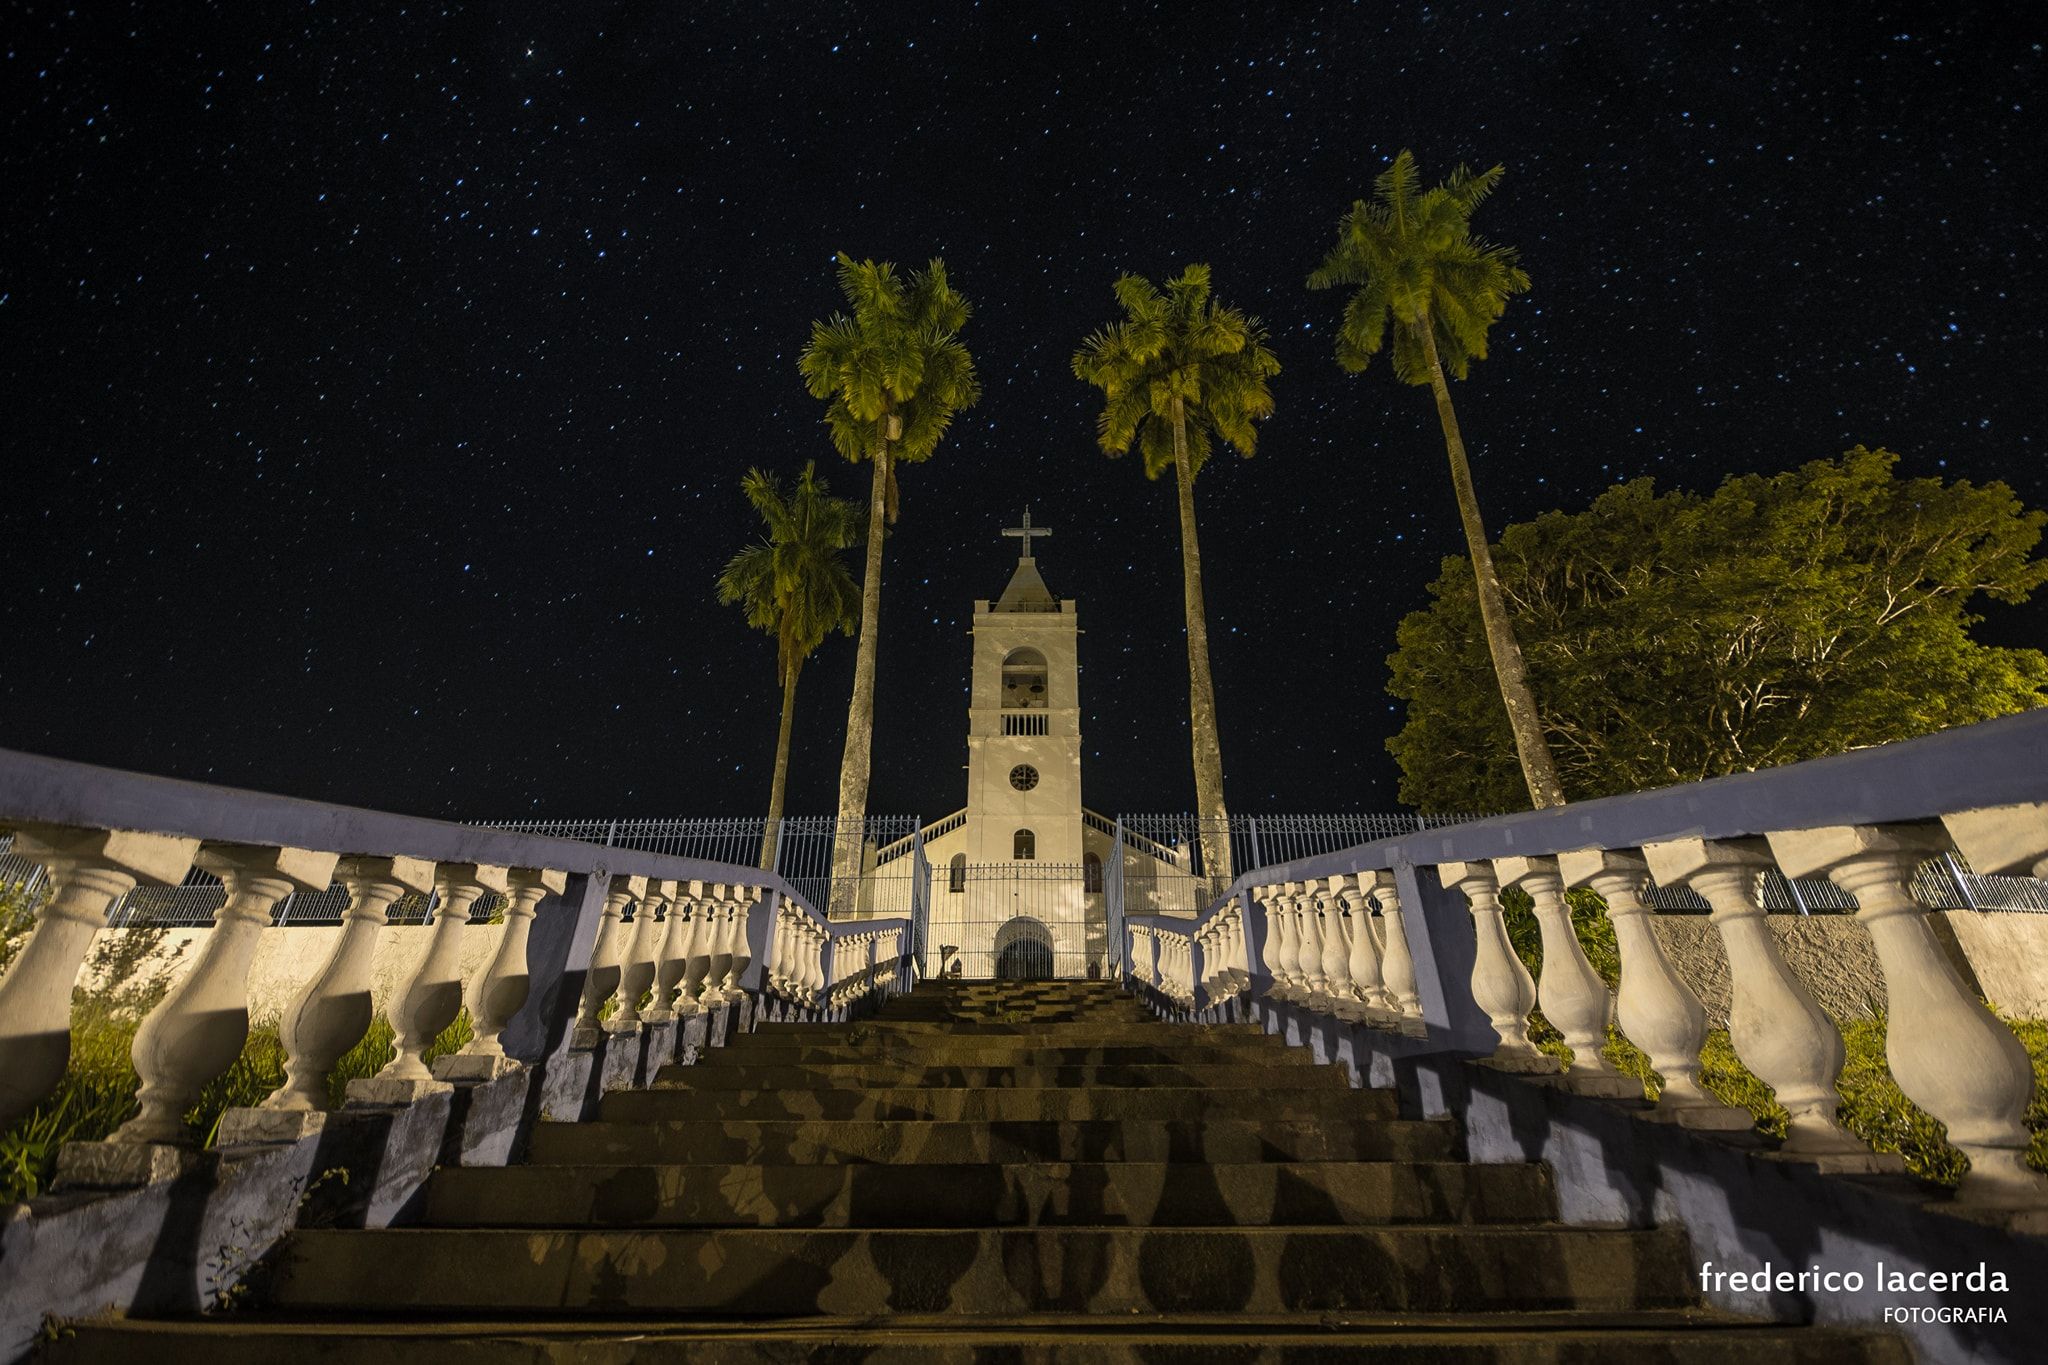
{"points": [[1091, 872], [1024, 846], [956, 873], [1024, 686]]}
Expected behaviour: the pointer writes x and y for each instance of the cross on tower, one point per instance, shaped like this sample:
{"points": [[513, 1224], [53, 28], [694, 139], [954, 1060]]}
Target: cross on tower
{"points": [[1025, 532]]}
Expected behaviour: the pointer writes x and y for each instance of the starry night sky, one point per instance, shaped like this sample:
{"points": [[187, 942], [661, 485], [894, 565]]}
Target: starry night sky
{"points": [[378, 379]]}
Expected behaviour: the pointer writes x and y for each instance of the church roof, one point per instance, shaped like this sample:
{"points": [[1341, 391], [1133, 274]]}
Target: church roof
{"points": [[1027, 591]]}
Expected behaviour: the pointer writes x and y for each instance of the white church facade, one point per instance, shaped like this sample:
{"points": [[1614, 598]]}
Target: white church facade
{"points": [[1018, 875]]}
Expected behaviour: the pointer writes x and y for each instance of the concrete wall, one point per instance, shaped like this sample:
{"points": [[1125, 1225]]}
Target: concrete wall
{"points": [[287, 957], [1833, 957]]}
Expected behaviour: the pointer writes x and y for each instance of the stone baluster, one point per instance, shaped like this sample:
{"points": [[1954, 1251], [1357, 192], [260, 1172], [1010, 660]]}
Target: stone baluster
{"points": [[1397, 964], [696, 951], [200, 1027], [500, 993], [1570, 993], [673, 956], [636, 969], [1240, 953], [742, 939], [1212, 957], [1501, 985], [606, 951], [800, 959], [1333, 963], [1308, 956], [1373, 1005], [89, 869], [1658, 1012], [432, 998], [1280, 939], [1778, 1030], [1950, 1054], [722, 913], [333, 1010], [814, 963], [789, 953], [1294, 944]]}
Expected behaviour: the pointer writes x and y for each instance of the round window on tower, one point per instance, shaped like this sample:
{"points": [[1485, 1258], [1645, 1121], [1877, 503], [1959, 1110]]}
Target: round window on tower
{"points": [[1023, 777]]}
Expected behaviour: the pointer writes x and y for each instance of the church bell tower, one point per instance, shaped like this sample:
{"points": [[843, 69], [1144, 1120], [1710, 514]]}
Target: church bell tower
{"points": [[1024, 722]]}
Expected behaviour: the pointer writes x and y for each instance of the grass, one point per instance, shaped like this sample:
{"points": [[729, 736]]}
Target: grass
{"points": [[97, 1094], [1873, 1107]]}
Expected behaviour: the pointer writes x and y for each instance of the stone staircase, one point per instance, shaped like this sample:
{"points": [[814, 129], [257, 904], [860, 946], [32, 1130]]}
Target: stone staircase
{"points": [[1003, 1171]]}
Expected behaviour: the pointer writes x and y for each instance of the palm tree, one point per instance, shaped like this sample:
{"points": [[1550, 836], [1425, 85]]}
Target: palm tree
{"points": [[795, 586], [893, 373], [1179, 372], [1417, 266]]}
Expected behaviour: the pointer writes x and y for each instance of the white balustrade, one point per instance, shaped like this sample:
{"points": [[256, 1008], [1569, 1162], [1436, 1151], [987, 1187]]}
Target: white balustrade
{"points": [[1397, 964], [1371, 1003], [696, 950], [1657, 1011], [200, 1027], [815, 939], [432, 998], [1501, 985], [673, 957], [1280, 939], [606, 952], [1950, 1054], [500, 993], [636, 970], [1570, 993], [723, 912], [1778, 1030], [1309, 952], [89, 869], [742, 945], [333, 1010]]}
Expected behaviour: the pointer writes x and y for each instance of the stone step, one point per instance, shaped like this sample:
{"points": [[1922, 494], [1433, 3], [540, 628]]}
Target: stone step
{"points": [[1072, 1033], [835, 1076], [1001, 1105], [1022, 1270], [1664, 1336], [1142, 1194], [999, 1052], [803, 1141]]}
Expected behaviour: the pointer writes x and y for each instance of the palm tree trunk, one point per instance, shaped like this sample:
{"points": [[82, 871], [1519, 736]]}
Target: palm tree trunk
{"points": [[1215, 820], [855, 761], [1539, 769], [778, 788]]}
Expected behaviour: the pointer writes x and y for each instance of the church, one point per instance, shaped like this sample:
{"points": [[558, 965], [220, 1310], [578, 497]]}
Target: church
{"points": [[1019, 875]]}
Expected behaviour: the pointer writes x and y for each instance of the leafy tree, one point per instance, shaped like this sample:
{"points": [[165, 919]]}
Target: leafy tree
{"points": [[794, 585], [1178, 373], [1678, 636], [893, 373], [1423, 277]]}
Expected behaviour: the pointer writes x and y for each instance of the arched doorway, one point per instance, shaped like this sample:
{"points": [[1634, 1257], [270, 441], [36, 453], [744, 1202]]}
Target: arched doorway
{"points": [[1023, 951]]}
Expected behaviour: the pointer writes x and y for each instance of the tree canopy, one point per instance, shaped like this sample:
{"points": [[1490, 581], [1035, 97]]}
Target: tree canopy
{"points": [[1178, 346], [1413, 258], [793, 583], [1676, 636], [894, 370]]}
